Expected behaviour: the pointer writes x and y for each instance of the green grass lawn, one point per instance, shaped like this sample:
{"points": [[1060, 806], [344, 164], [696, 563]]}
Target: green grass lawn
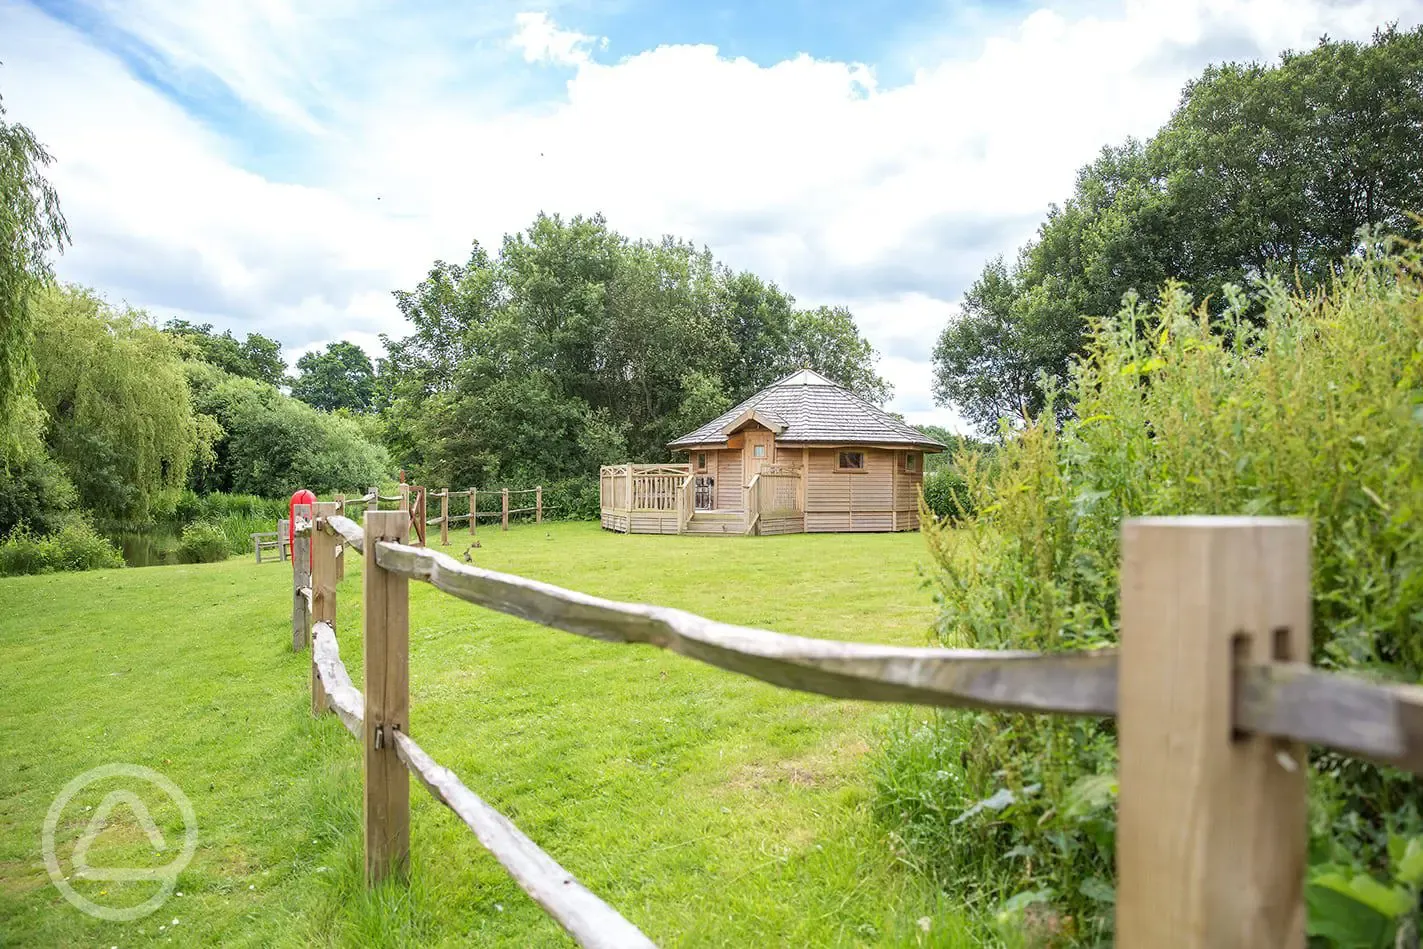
{"points": [[708, 808]]}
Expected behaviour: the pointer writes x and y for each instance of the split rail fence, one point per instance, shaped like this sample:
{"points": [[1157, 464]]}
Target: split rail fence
{"points": [[1211, 686], [414, 499]]}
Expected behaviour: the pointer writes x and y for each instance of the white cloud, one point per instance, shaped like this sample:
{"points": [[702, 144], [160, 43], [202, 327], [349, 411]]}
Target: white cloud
{"points": [[541, 41], [407, 139]]}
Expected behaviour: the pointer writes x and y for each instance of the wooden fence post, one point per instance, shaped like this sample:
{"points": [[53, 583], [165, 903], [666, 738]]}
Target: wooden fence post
{"points": [[386, 645], [472, 495], [340, 560], [374, 503], [301, 578], [539, 504], [506, 509], [324, 564], [404, 491], [1211, 828], [445, 518]]}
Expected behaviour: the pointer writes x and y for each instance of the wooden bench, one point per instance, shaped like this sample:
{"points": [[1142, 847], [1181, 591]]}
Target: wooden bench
{"points": [[272, 540]]}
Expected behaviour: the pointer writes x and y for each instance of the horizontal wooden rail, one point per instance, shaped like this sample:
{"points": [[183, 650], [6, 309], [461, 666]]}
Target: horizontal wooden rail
{"points": [[1284, 700], [349, 531], [583, 915], [1073, 683], [522, 510], [586, 918], [342, 697], [1296, 701]]}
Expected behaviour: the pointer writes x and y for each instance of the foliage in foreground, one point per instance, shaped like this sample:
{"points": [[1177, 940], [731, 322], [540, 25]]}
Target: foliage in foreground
{"points": [[1315, 410], [1262, 169]]}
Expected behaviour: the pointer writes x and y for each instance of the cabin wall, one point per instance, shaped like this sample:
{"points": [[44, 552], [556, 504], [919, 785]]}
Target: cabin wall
{"points": [[906, 493], [882, 497], [729, 494]]}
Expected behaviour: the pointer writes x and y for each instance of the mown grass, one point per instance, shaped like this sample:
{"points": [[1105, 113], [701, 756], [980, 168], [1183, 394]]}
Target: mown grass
{"points": [[708, 808]]}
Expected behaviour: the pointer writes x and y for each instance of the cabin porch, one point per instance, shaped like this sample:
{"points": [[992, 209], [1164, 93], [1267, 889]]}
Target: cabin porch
{"points": [[673, 499]]}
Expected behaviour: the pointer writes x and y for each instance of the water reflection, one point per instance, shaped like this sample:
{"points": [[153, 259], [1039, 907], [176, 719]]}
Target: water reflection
{"points": [[150, 548]]}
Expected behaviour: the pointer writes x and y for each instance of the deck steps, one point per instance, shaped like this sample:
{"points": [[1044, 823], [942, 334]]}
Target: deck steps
{"points": [[717, 522]]}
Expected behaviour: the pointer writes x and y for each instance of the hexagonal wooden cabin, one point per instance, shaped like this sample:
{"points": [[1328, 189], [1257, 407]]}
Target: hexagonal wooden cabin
{"points": [[803, 454]]}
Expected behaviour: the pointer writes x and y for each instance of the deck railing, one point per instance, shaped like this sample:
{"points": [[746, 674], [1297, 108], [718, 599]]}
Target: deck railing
{"points": [[687, 502], [641, 487], [779, 492], [1212, 690]]}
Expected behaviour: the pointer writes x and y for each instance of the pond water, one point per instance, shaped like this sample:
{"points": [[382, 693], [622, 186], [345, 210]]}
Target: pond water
{"points": [[149, 548]]}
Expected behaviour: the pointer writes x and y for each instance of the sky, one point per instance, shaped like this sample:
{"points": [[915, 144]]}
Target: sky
{"points": [[280, 166]]}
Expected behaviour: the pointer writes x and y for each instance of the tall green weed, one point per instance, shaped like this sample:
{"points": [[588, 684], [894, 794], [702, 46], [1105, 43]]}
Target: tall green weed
{"points": [[1288, 404], [75, 546]]}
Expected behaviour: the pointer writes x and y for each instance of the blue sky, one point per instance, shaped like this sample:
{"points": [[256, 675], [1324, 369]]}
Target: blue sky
{"points": [[280, 166]]}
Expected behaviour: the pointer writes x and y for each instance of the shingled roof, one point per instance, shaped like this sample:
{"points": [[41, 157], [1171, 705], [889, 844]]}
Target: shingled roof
{"points": [[813, 410]]}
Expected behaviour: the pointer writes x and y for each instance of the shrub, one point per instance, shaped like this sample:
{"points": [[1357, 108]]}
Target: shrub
{"points": [[572, 499], [1310, 408], [237, 516], [946, 494], [202, 542], [75, 546], [34, 491]]}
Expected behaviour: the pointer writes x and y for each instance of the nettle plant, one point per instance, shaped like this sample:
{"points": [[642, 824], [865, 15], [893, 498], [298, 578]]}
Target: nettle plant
{"points": [[1306, 405]]}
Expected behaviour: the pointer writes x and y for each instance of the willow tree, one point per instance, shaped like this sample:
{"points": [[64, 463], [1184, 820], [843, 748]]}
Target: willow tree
{"points": [[120, 414], [31, 224]]}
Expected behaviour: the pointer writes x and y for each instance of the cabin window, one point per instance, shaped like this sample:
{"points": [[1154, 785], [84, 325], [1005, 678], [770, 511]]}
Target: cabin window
{"points": [[701, 461], [911, 462], [758, 451], [852, 461]]}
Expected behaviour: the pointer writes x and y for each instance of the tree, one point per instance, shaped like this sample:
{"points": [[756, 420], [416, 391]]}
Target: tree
{"points": [[758, 318], [827, 340], [120, 419], [31, 224], [271, 444], [576, 346], [1261, 171], [256, 357], [339, 378]]}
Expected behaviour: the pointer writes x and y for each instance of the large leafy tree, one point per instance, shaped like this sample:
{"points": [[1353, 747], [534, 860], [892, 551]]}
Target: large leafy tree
{"points": [[827, 340], [576, 346], [265, 442], [340, 377], [255, 357], [1261, 170], [31, 225], [119, 417]]}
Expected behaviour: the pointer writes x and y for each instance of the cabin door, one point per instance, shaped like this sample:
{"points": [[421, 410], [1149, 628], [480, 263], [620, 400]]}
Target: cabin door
{"points": [[759, 450]]}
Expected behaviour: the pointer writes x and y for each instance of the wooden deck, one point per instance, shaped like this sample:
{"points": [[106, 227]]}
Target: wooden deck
{"points": [[661, 499]]}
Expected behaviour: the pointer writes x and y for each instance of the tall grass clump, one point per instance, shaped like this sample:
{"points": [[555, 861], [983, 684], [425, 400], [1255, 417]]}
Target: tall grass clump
{"points": [[1307, 405], [235, 516], [75, 546]]}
